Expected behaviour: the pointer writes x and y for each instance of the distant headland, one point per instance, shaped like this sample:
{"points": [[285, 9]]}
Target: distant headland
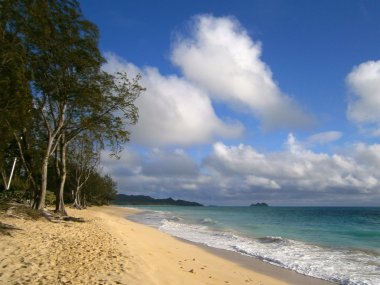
{"points": [[259, 205], [122, 199]]}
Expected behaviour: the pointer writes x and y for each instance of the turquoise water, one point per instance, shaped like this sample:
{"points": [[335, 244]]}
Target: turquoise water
{"points": [[336, 244]]}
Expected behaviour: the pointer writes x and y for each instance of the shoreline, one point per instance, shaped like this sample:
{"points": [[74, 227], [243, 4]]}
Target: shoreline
{"points": [[252, 263], [110, 249], [259, 266]]}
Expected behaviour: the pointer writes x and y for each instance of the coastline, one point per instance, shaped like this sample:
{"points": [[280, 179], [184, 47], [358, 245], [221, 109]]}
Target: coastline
{"points": [[109, 249], [256, 266]]}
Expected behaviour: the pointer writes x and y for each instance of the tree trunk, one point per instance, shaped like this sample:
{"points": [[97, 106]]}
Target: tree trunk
{"points": [[77, 201], [4, 176], [22, 144], [39, 197], [52, 144], [84, 201], [60, 204]]}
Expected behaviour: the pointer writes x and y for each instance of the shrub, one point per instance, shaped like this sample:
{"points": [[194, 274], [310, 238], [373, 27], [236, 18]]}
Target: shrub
{"points": [[50, 198]]}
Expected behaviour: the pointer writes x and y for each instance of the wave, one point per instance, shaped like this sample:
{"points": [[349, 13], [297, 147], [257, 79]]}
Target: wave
{"points": [[348, 267], [175, 219], [271, 240], [207, 221], [150, 218]]}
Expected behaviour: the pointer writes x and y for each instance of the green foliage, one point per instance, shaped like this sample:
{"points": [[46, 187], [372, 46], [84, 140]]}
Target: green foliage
{"points": [[52, 90], [20, 184], [99, 190], [50, 198], [15, 95], [19, 191], [13, 196]]}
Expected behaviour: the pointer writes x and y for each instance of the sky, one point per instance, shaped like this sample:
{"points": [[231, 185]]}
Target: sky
{"points": [[248, 101]]}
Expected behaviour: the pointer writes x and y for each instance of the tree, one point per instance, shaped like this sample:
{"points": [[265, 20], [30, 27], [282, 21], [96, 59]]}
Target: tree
{"points": [[84, 159], [62, 49], [99, 190], [106, 118], [69, 93], [15, 95]]}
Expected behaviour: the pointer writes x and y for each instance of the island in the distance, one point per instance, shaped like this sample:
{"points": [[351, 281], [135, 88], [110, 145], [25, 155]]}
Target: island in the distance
{"points": [[122, 199], [259, 205]]}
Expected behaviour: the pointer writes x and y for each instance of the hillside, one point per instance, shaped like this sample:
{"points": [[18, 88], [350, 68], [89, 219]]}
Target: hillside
{"points": [[122, 199]]}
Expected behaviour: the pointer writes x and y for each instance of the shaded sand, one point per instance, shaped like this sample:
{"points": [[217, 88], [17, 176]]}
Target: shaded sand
{"points": [[108, 249]]}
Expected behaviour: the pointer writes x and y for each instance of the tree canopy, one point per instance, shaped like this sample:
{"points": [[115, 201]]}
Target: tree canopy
{"points": [[54, 93]]}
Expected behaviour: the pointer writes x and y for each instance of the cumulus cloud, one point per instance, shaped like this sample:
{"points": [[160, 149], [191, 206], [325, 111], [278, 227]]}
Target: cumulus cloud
{"points": [[169, 163], [368, 155], [364, 100], [220, 56], [129, 164], [296, 168], [220, 62], [159, 173], [240, 173], [261, 182], [172, 110]]}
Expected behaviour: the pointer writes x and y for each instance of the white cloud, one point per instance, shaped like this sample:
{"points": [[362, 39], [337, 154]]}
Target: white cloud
{"points": [[129, 164], [323, 138], [159, 173], [241, 174], [293, 145], [220, 62], [263, 182], [169, 163], [220, 56], [298, 168], [368, 155], [172, 110], [364, 102]]}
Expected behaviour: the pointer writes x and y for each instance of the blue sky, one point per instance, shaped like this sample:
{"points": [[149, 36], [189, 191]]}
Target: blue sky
{"points": [[249, 101]]}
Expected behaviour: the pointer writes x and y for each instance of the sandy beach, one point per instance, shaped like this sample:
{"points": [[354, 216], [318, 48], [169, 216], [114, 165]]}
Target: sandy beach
{"points": [[109, 249]]}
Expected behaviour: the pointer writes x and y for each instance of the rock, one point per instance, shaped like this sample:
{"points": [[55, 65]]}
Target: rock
{"points": [[259, 205]]}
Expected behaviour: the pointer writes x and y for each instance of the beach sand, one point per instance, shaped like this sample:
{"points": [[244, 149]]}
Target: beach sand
{"points": [[109, 249]]}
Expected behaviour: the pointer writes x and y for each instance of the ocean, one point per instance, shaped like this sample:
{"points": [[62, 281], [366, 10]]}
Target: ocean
{"points": [[336, 244]]}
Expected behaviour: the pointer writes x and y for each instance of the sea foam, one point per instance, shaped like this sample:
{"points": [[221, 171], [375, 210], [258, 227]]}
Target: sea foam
{"points": [[342, 266], [348, 267]]}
